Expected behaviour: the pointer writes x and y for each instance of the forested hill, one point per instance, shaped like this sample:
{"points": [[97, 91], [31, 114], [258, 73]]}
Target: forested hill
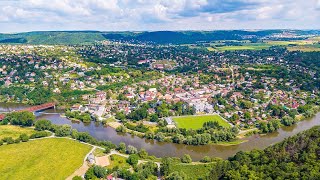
{"points": [[158, 37], [297, 157], [53, 37], [185, 37]]}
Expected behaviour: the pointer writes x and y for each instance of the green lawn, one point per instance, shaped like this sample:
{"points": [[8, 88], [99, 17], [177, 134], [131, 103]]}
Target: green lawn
{"points": [[51, 158], [197, 171], [116, 160], [14, 131], [196, 122]]}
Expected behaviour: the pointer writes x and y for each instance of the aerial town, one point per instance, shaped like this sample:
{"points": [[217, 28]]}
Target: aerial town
{"points": [[122, 99]]}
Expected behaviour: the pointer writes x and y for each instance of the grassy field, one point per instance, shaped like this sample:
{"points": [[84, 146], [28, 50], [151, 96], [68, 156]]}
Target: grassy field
{"points": [[303, 45], [251, 46], [306, 48], [196, 122], [42, 159], [211, 49], [116, 160], [14, 131], [197, 171]]}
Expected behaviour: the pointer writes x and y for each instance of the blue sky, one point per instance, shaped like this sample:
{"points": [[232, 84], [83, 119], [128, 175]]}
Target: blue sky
{"points": [[153, 15]]}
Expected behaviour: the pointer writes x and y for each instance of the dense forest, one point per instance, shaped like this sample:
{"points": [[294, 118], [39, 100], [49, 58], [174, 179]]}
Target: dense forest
{"points": [[297, 157]]}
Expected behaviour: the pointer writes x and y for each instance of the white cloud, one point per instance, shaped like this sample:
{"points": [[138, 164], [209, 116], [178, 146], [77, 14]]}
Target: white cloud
{"points": [[21, 15]]}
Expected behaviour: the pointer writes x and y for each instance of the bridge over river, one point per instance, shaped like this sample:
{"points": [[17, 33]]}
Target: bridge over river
{"points": [[34, 109]]}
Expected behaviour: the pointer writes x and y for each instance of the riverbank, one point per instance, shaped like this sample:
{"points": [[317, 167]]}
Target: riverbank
{"points": [[162, 149]]}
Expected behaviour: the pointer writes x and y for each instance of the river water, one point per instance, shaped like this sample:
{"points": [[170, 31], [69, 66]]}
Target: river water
{"points": [[161, 149]]}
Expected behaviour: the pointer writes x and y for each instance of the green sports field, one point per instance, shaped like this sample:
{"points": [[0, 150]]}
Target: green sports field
{"points": [[52, 158], [196, 122]]}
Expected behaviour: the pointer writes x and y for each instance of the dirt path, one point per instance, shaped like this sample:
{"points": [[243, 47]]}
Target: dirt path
{"points": [[83, 169], [114, 124], [79, 172]]}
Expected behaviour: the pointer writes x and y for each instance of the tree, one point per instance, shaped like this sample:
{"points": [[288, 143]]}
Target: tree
{"points": [[218, 170], [179, 138], [77, 178], [122, 147], [247, 115], [186, 158], [234, 117], [89, 174], [120, 116], [143, 153], [132, 150], [154, 118], [63, 130], [42, 125], [23, 118], [133, 159], [176, 176], [99, 171], [166, 166]]}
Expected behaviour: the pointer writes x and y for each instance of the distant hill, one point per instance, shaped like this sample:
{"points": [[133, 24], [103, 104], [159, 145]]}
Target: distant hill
{"points": [[184, 37], [53, 37], [158, 37]]}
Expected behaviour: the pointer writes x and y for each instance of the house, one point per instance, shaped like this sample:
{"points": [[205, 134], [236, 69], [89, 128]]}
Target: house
{"points": [[110, 177], [143, 61], [91, 159], [76, 107], [203, 107], [2, 116]]}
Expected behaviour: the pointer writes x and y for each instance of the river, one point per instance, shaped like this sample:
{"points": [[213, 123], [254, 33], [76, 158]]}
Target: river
{"points": [[161, 149]]}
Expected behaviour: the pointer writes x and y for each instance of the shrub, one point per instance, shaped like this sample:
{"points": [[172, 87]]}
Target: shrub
{"points": [[24, 137], [40, 134], [121, 129], [186, 158], [205, 159], [18, 140], [8, 140], [122, 147], [107, 150]]}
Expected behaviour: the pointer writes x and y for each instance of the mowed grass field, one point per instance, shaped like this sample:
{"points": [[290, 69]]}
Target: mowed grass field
{"points": [[52, 158], [196, 122], [14, 131]]}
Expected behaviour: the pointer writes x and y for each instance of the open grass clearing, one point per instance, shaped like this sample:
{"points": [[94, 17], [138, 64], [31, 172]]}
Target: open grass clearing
{"points": [[14, 131], [118, 161], [51, 158], [193, 171], [196, 122]]}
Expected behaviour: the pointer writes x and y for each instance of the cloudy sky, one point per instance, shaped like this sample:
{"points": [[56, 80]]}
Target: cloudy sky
{"points": [[123, 15]]}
